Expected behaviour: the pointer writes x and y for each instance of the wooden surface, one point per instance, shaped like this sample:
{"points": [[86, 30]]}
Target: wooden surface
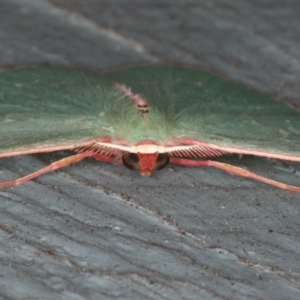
{"points": [[99, 231]]}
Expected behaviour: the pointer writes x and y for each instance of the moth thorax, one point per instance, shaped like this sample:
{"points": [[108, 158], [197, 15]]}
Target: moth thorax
{"points": [[145, 163]]}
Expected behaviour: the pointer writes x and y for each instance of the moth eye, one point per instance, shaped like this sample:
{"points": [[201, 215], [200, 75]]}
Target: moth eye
{"points": [[131, 161], [161, 161]]}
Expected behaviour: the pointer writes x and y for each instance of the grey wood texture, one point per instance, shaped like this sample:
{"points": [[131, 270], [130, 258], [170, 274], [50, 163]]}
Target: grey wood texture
{"points": [[100, 231]]}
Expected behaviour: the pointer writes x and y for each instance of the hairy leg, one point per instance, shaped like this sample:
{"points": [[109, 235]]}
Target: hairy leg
{"points": [[233, 170], [54, 166], [107, 158]]}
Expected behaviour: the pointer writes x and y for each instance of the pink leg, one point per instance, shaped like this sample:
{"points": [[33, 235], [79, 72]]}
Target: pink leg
{"points": [[54, 166], [232, 170], [107, 158]]}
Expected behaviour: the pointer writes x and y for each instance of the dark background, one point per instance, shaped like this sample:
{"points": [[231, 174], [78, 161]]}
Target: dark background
{"points": [[100, 231]]}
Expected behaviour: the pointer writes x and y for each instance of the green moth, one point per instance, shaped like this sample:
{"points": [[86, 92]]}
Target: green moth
{"points": [[143, 117]]}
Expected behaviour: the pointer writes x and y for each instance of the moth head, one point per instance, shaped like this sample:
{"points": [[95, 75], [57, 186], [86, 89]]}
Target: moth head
{"points": [[145, 163]]}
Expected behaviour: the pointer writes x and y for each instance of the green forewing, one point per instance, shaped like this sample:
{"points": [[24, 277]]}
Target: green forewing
{"points": [[52, 105], [46, 106], [206, 107]]}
